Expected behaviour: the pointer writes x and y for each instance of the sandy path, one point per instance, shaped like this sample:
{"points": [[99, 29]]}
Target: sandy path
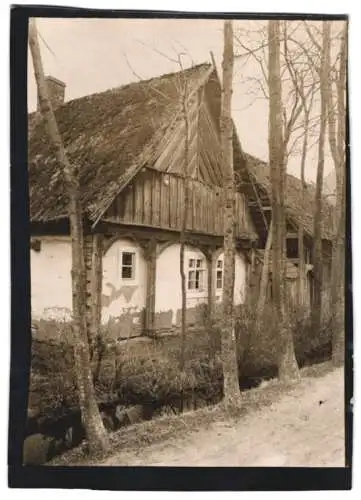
{"points": [[304, 428]]}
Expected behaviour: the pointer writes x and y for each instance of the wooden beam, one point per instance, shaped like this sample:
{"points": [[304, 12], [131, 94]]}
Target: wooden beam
{"points": [[151, 256]]}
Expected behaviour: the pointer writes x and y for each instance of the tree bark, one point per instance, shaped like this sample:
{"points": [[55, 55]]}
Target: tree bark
{"points": [[228, 338], [337, 143], [264, 278], [183, 233], [287, 364], [317, 224], [96, 434], [301, 248]]}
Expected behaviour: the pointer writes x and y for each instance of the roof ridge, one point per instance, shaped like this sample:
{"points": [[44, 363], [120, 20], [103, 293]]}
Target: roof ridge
{"points": [[125, 86]]}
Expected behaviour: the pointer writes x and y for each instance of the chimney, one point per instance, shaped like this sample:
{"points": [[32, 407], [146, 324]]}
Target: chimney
{"points": [[56, 91]]}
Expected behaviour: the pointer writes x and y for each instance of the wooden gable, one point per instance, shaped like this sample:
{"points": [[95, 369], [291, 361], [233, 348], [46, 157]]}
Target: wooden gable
{"points": [[155, 197], [204, 144]]}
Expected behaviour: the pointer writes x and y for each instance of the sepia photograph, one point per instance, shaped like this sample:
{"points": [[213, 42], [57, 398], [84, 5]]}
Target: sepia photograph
{"points": [[187, 185]]}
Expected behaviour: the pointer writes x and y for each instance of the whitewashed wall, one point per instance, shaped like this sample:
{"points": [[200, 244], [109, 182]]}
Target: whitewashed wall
{"points": [[239, 279], [123, 296], [51, 282], [51, 279], [168, 294], [168, 291]]}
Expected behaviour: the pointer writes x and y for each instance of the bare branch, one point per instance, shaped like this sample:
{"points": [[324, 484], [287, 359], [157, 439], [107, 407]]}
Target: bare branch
{"points": [[310, 34]]}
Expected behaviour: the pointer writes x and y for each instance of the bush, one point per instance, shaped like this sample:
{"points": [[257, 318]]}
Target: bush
{"points": [[144, 372], [147, 371], [258, 347]]}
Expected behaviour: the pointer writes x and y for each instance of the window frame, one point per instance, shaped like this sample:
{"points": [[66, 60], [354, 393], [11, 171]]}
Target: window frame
{"points": [[219, 270], [199, 274], [131, 266]]}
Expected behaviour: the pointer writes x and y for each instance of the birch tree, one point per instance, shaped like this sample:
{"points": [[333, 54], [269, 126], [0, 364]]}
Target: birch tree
{"points": [[264, 277], [97, 437], [317, 223], [228, 338], [287, 364], [184, 222], [337, 140]]}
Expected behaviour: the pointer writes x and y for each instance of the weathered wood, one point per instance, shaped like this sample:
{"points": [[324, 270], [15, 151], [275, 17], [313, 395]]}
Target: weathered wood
{"points": [[155, 199], [147, 194], [128, 202], [164, 202], [173, 202], [151, 256], [211, 292], [139, 202]]}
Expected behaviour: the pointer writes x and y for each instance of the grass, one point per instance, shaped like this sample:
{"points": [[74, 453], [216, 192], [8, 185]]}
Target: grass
{"points": [[136, 437]]}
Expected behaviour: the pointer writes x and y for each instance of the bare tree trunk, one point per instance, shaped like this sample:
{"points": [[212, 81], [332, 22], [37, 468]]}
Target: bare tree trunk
{"points": [[317, 225], [264, 278], [337, 147], [97, 436], [338, 292], [287, 364], [183, 233], [301, 247], [228, 338]]}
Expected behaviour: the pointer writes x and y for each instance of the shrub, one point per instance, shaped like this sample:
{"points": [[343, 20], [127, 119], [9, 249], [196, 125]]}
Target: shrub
{"points": [[147, 371]]}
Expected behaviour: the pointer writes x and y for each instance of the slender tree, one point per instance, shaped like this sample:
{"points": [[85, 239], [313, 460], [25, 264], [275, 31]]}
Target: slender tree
{"points": [[299, 84], [264, 278], [317, 224], [228, 339], [337, 141], [304, 82], [96, 434], [287, 364], [186, 181]]}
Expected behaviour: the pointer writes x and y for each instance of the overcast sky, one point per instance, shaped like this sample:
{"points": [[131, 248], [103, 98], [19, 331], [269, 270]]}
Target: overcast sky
{"points": [[90, 55]]}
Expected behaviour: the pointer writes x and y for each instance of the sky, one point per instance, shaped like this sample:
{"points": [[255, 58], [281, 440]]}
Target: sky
{"points": [[93, 55]]}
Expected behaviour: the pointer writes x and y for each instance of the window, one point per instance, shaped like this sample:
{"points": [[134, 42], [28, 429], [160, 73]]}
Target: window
{"points": [[195, 274], [128, 265], [219, 274]]}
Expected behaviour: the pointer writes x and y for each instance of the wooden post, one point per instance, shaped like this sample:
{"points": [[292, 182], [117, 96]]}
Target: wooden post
{"points": [[211, 292], [151, 256]]}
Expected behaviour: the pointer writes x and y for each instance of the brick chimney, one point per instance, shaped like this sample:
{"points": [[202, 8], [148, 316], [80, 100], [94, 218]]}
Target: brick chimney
{"points": [[56, 91]]}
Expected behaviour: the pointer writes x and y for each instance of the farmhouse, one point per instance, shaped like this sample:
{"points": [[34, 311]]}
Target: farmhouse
{"points": [[128, 144]]}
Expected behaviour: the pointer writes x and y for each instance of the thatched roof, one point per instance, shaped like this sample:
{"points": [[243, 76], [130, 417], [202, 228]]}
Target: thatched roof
{"points": [[297, 211], [109, 136]]}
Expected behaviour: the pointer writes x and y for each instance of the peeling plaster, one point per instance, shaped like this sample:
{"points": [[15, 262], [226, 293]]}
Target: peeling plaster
{"points": [[127, 291]]}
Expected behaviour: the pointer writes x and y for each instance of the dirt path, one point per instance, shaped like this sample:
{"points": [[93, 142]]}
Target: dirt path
{"points": [[305, 428]]}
